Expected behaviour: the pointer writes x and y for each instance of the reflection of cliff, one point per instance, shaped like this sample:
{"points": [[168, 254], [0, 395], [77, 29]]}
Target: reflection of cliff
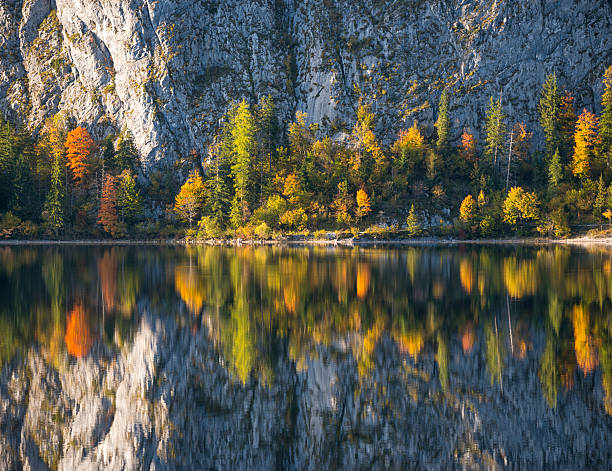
{"points": [[168, 402]]}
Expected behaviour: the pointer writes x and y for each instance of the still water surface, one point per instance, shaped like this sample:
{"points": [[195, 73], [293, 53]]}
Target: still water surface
{"points": [[305, 358]]}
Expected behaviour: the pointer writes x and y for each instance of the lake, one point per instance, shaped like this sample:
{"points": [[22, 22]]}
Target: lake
{"points": [[436, 357]]}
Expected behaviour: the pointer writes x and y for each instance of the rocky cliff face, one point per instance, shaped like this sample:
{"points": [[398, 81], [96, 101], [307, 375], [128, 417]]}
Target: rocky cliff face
{"points": [[167, 69]]}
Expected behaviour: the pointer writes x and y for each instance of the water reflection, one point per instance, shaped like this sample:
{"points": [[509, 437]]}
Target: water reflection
{"points": [[443, 316]]}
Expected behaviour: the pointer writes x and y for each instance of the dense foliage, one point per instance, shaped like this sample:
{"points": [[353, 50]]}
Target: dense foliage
{"points": [[258, 178]]}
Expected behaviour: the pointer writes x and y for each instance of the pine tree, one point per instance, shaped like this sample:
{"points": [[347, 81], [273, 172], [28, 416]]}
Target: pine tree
{"points": [[555, 170], [267, 136], [412, 223], [54, 209], [605, 122], [567, 125], [126, 156], [599, 205], [7, 164], [495, 131], [243, 146], [129, 203], [442, 123], [548, 107], [107, 214]]}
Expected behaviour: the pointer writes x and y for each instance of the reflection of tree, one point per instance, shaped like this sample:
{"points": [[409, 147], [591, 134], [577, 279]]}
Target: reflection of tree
{"points": [[188, 284], [495, 351], [107, 270], [363, 280], [468, 337], [520, 277], [466, 274], [78, 335], [549, 377], [442, 359], [586, 355]]}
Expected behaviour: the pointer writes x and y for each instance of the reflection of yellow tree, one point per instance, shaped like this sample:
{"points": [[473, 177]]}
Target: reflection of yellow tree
{"points": [[242, 348], [495, 351], [363, 280], [605, 352], [78, 335], [107, 269], [520, 277], [187, 284], [411, 342], [586, 355], [364, 358], [466, 274]]}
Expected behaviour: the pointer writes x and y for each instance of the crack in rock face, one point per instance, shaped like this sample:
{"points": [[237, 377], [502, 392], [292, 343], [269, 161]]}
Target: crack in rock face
{"points": [[167, 71]]}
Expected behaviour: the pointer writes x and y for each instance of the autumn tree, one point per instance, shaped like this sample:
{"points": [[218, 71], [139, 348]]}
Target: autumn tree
{"points": [[467, 150], [78, 336], [343, 204], [107, 214], [363, 203], [467, 211], [188, 202], [442, 123], [520, 205], [79, 145], [586, 140], [412, 223], [548, 108]]}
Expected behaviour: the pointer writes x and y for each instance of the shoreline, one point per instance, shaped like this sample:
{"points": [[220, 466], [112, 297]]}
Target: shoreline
{"points": [[349, 242]]}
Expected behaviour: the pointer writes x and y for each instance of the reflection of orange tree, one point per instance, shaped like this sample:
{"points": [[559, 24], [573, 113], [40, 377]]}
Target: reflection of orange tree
{"points": [[468, 337], [78, 335], [466, 274], [188, 283]]}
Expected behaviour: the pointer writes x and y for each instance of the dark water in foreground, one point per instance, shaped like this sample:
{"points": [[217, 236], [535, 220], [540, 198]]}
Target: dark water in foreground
{"points": [[305, 358]]}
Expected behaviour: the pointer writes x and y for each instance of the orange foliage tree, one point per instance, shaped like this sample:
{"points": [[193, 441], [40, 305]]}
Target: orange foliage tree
{"points": [[586, 140], [78, 335], [79, 145], [107, 215], [467, 151]]}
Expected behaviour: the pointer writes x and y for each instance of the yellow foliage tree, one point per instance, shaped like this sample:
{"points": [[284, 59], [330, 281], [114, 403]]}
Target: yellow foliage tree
{"points": [[520, 205], [363, 203], [188, 202], [586, 140], [586, 355], [467, 209]]}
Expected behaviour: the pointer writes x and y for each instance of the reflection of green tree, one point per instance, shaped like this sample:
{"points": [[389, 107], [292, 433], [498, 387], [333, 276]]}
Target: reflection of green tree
{"points": [[549, 376], [495, 351], [442, 359]]}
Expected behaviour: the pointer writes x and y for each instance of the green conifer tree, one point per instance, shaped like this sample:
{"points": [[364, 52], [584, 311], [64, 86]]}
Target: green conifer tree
{"points": [[54, 210], [243, 146], [555, 170], [495, 131], [548, 108], [412, 223], [442, 123]]}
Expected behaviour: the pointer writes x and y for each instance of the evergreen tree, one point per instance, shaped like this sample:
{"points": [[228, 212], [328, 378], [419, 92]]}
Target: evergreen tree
{"points": [[24, 191], [599, 205], [605, 122], [7, 164], [129, 203], [126, 157], [107, 215], [412, 223], [243, 146], [567, 125], [495, 131], [555, 170], [54, 209], [442, 123], [548, 108], [267, 136]]}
